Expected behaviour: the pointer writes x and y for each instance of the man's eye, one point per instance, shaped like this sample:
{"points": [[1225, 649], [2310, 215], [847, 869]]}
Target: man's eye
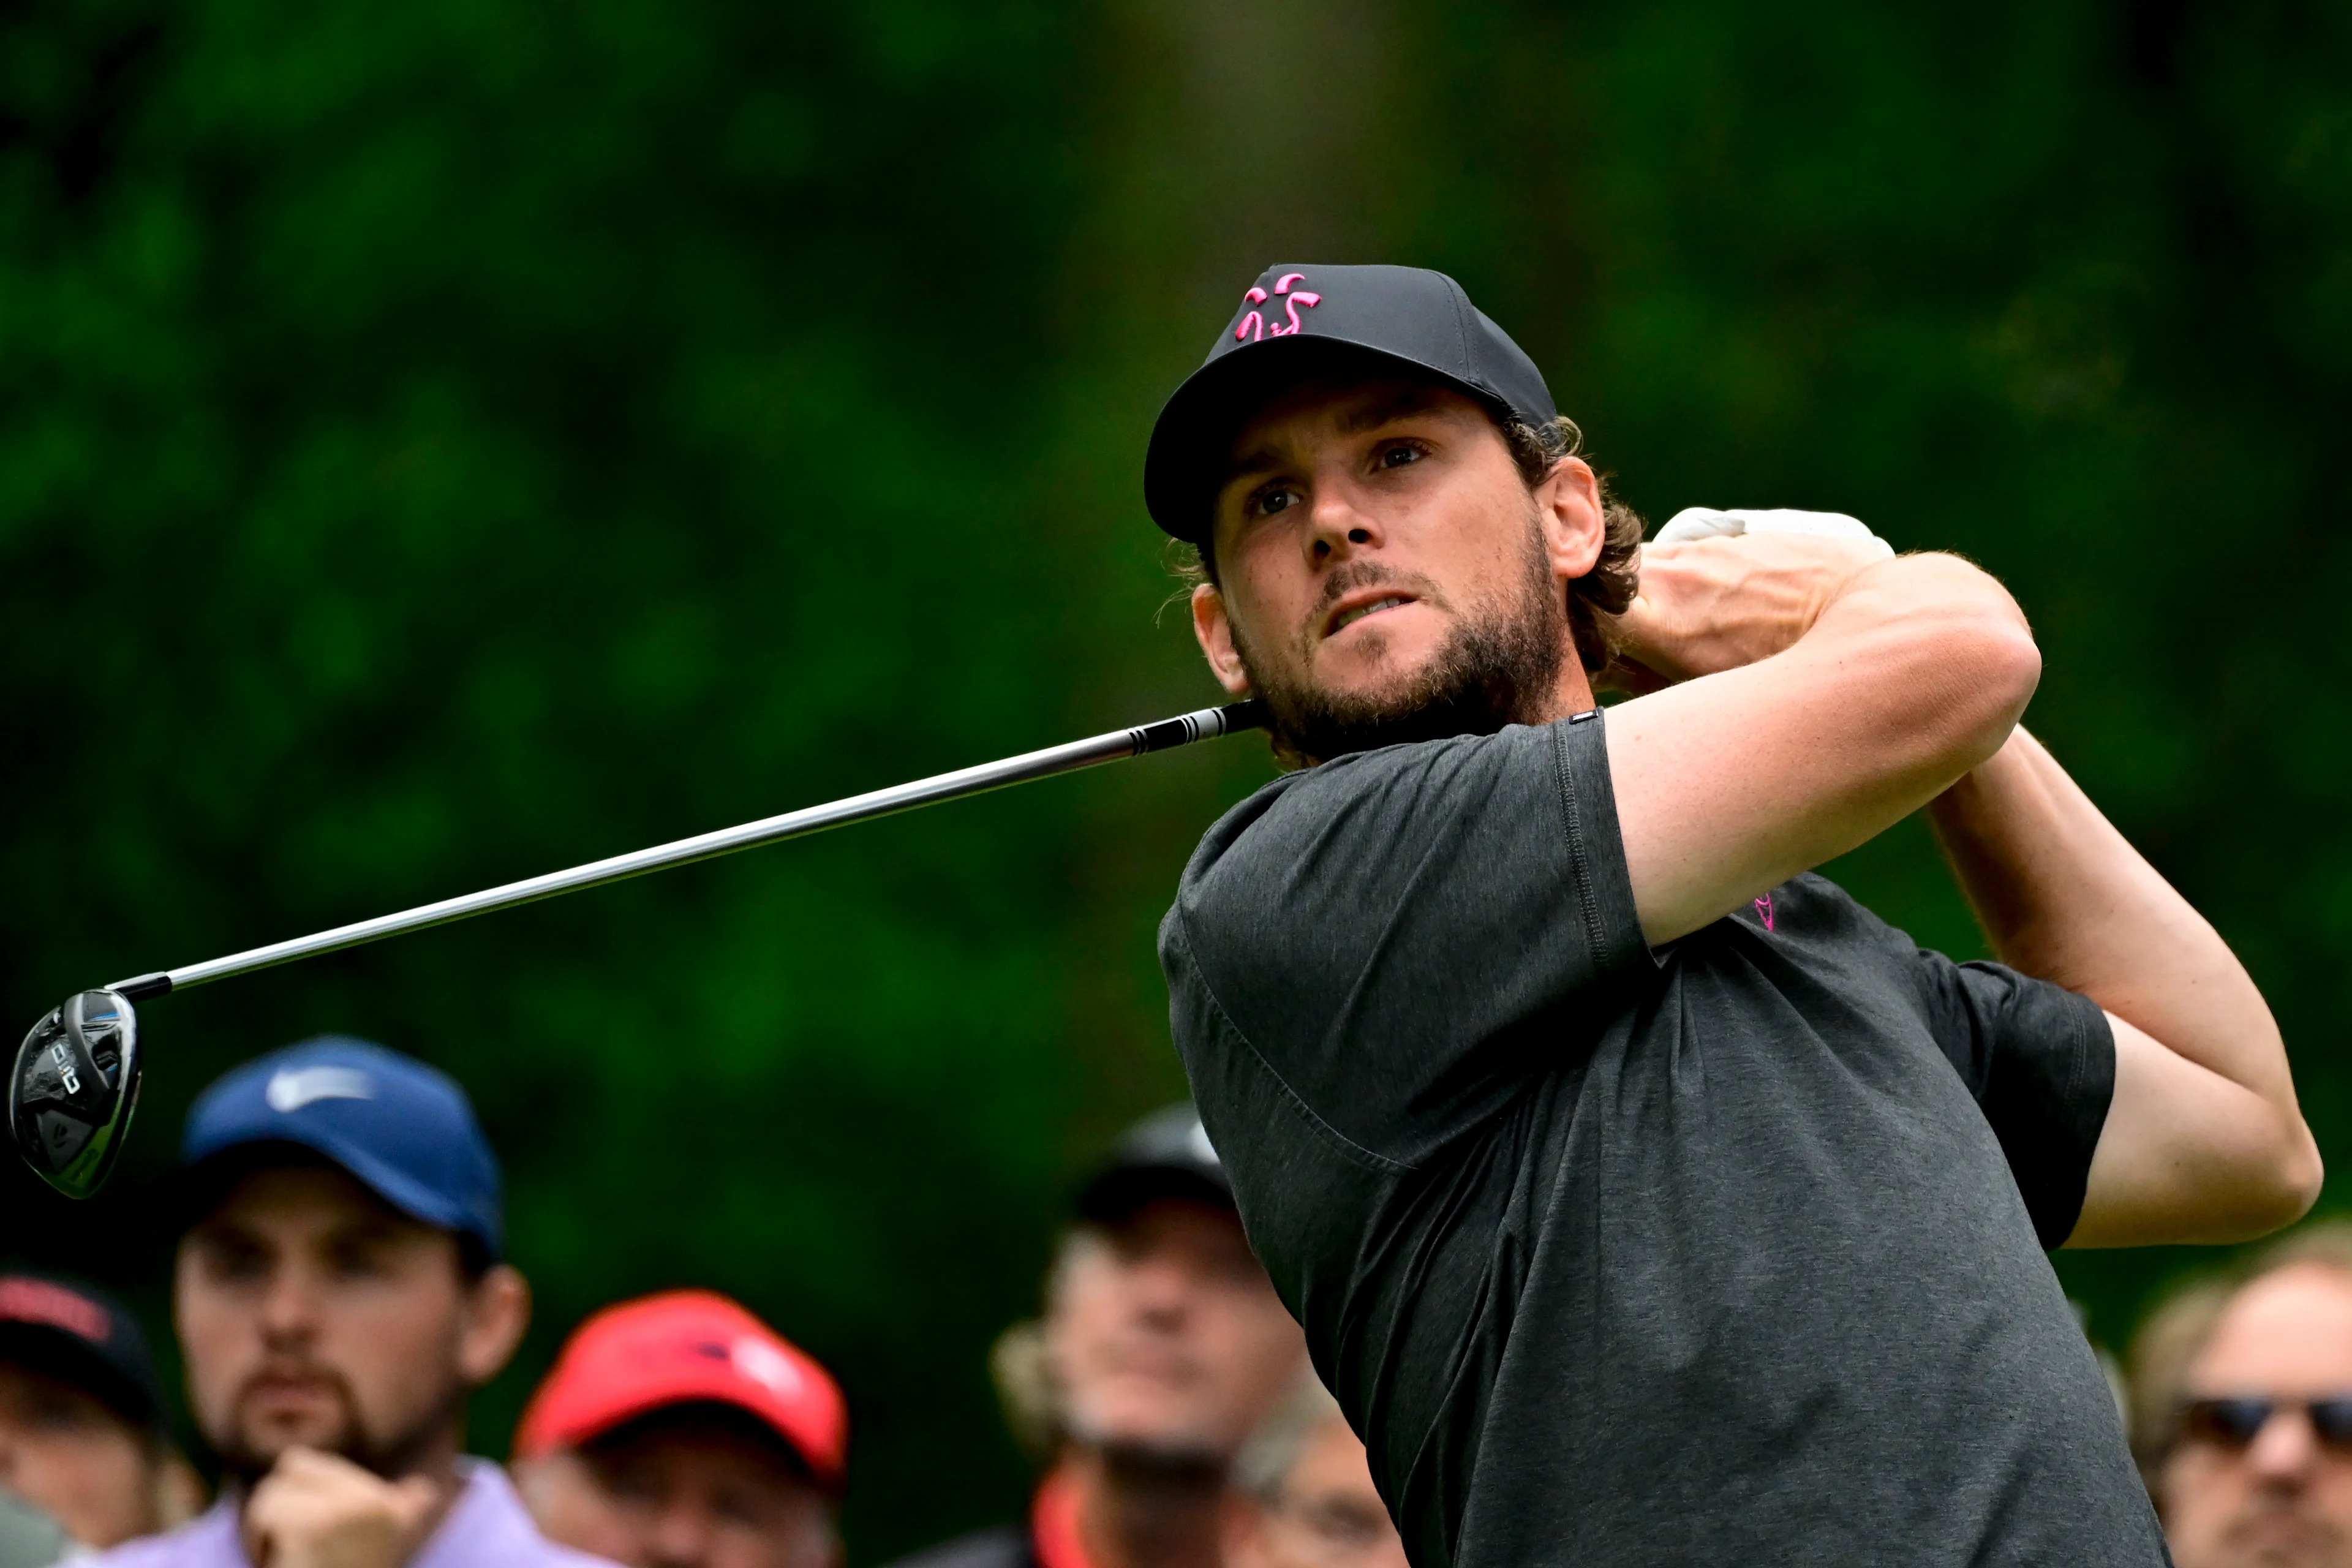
{"points": [[1267, 503], [236, 1263], [740, 1506], [1398, 457], [358, 1263], [60, 1413]]}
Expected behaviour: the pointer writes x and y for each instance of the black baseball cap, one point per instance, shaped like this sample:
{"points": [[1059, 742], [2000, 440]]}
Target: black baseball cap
{"points": [[79, 1334], [1301, 319], [1166, 1155]]}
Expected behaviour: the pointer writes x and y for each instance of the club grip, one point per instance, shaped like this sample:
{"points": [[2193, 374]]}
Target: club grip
{"points": [[1205, 725]]}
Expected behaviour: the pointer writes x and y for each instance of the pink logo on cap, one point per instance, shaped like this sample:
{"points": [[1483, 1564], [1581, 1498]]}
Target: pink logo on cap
{"points": [[1253, 326]]}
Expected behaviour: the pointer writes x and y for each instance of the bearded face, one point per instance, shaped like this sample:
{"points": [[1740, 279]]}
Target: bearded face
{"points": [[313, 1315], [1385, 573], [1497, 663]]}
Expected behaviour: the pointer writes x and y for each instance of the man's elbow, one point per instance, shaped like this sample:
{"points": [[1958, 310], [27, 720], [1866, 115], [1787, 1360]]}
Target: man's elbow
{"points": [[2301, 1173], [2273, 1190], [1988, 666]]}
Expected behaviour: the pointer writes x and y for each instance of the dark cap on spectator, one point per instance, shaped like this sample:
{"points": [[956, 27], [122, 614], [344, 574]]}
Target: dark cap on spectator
{"points": [[687, 1347], [404, 1130], [83, 1336], [1166, 1155]]}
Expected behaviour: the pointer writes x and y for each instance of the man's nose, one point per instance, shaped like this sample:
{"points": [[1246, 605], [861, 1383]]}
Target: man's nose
{"points": [[1162, 1289], [681, 1537], [1338, 528], [2285, 1450], [289, 1305]]}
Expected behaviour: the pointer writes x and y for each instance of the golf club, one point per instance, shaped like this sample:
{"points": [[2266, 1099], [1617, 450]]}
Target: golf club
{"points": [[75, 1078]]}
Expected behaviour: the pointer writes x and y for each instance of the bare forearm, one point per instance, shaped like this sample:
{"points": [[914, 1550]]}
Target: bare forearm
{"points": [[1818, 705], [2203, 1140], [2065, 897]]}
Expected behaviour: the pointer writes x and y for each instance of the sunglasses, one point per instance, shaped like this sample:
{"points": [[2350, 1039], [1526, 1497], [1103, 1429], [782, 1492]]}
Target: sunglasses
{"points": [[2235, 1424]]}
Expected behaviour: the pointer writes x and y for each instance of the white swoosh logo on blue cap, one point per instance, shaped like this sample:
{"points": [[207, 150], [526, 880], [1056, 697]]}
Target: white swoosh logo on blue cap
{"points": [[292, 1088]]}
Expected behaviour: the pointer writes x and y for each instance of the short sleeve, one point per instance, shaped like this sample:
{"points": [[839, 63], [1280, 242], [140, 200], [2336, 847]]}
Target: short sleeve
{"points": [[2040, 1061], [1403, 935]]}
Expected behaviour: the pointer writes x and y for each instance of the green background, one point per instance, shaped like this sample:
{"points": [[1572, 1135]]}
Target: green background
{"points": [[443, 441]]}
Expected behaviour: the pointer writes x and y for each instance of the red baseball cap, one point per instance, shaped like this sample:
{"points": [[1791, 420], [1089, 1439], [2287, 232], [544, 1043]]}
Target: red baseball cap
{"points": [[684, 1347]]}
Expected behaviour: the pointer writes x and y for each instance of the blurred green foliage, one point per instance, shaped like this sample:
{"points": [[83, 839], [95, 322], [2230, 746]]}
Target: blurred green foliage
{"points": [[444, 441]]}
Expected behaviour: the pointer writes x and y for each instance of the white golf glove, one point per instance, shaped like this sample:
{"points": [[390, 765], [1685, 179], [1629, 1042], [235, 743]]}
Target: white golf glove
{"points": [[1705, 522]]}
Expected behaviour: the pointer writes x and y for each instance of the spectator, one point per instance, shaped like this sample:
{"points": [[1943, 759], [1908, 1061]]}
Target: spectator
{"points": [[339, 1295], [1310, 1502], [679, 1431], [2242, 1410], [81, 1416], [1162, 1348]]}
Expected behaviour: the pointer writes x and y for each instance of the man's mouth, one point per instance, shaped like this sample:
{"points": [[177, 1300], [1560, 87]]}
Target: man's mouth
{"points": [[1356, 607]]}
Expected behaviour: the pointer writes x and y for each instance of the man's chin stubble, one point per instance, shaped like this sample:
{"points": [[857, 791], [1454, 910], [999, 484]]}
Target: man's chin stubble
{"points": [[250, 1460], [1501, 670]]}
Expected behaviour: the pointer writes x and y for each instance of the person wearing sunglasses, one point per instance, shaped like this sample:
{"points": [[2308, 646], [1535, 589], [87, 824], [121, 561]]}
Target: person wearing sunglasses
{"points": [[2242, 1410], [1305, 1494]]}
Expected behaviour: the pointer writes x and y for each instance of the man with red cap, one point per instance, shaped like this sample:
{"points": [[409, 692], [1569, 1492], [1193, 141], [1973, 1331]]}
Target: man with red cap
{"points": [[679, 1431]]}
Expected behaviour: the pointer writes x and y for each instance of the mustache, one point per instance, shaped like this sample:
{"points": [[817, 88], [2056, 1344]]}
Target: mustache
{"points": [[292, 1370], [235, 1445], [1355, 575]]}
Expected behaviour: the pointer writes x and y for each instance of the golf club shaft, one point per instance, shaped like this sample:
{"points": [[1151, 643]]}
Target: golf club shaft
{"points": [[1206, 724]]}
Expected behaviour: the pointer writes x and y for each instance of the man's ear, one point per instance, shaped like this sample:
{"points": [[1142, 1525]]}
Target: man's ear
{"points": [[497, 1309], [1214, 633], [1575, 526]]}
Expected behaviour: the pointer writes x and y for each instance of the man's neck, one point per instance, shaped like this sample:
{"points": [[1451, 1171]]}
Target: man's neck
{"points": [[1141, 1513], [1574, 692]]}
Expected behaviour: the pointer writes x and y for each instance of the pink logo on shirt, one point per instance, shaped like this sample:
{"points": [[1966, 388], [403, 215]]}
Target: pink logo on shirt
{"points": [[1764, 908], [1253, 326]]}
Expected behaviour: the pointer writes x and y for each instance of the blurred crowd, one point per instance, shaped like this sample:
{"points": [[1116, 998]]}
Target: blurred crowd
{"points": [[339, 1289]]}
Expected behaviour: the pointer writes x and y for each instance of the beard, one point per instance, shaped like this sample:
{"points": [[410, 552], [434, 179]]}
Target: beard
{"points": [[1168, 1459], [1500, 664], [246, 1456]]}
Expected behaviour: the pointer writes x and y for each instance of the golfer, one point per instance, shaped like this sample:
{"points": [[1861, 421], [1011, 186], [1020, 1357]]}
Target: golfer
{"points": [[1644, 1198]]}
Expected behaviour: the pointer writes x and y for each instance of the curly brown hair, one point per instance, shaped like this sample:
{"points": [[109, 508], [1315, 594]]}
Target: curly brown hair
{"points": [[1606, 591]]}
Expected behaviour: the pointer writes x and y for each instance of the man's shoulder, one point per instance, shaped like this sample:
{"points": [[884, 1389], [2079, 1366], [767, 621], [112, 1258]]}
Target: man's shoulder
{"points": [[489, 1524], [208, 1541], [546, 1554], [550, 1555], [1376, 794], [999, 1546]]}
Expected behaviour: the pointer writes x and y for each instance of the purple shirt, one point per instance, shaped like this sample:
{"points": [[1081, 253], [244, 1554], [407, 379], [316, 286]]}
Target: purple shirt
{"points": [[486, 1528]]}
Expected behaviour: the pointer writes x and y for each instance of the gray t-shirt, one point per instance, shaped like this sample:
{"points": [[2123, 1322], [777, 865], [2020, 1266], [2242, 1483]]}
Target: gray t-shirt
{"points": [[1730, 1252]]}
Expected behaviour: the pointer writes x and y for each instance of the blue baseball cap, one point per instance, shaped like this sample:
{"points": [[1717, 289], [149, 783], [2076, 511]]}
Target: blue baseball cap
{"points": [[404, 1130]]}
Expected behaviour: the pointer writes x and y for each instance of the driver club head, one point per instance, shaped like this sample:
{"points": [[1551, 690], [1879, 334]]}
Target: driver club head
{"points": [[73, 1088]]}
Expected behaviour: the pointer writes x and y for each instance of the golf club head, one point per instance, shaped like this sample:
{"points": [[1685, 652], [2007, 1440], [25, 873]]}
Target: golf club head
{"points": [[73, 1088]]}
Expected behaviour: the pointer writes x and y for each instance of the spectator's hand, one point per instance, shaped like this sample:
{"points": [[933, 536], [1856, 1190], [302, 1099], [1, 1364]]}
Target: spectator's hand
{"points": [[315, 1511]]}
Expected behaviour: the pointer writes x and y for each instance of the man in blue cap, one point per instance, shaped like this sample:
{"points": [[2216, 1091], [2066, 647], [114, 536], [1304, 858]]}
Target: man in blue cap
{"points": [[1644, 1198], [339, 1293]]}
